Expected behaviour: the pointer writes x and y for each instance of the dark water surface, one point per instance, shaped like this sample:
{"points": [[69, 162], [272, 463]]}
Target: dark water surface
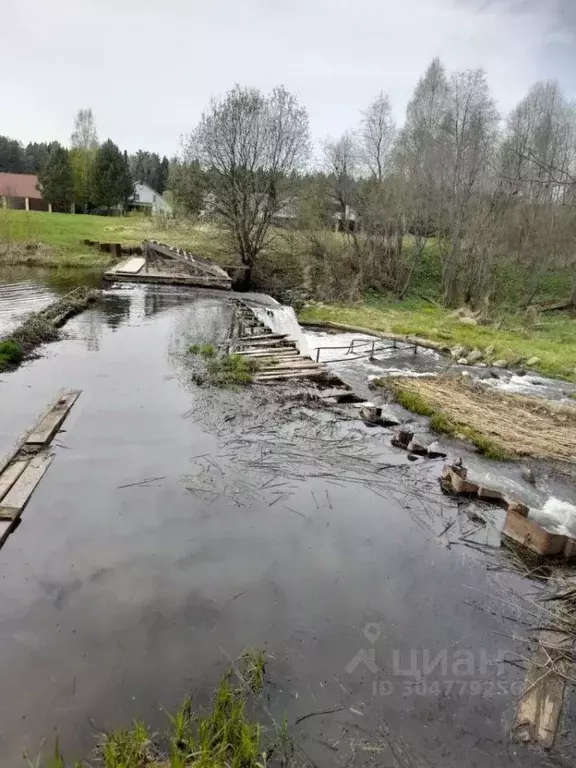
{"points": [[260, 523], [30, 289]]}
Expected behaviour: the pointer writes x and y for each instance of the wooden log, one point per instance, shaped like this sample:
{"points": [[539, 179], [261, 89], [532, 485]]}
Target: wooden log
{"points": [[11, 474], [13, 503], [47, 428]]}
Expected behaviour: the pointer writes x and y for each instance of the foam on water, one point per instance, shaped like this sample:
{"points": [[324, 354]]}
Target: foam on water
{"points": [[556, 516]]}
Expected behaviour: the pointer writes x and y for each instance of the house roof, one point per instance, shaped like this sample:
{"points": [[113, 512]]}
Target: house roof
{"points": [[19, 185]]}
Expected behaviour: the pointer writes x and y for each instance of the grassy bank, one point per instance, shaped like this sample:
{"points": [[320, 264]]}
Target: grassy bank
{"points": [[223, 736], [500, 426], [55, 239], [550, 337]]}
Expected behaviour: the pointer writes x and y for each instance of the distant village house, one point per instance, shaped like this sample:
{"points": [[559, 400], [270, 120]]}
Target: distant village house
{"points": [[19, 191], [147, 200]]}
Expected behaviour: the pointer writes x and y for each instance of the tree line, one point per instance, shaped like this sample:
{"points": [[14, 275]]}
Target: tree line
{"points": [[484, 190], [89, 174]]}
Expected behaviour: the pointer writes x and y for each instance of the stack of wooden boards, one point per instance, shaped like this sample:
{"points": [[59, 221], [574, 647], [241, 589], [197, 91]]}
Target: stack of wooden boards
{"points": [[24, 467], [276, 355]]}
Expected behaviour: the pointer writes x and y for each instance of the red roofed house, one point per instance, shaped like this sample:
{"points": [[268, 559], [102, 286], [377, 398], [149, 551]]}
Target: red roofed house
{"points": [[18, 190]]}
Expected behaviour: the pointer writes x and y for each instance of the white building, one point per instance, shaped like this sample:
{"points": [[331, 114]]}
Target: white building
{"points": [[148, 200]]}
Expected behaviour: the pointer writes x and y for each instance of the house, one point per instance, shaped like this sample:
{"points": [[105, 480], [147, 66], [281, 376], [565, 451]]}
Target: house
{"points": [[147, 200], [347, 223], [19, 191]]}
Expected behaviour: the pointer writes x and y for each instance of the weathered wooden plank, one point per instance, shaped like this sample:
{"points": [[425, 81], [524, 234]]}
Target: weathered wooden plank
{"points": [[258, 337], [271, 352], [17, 497], [307, 374], [539, 709], [5, 529], [46, 429], [10, 475], [130, 266], [291, 365]]}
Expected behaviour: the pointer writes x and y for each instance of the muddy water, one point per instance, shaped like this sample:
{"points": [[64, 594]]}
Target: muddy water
{"points": [[25, 289], [178, 525]]}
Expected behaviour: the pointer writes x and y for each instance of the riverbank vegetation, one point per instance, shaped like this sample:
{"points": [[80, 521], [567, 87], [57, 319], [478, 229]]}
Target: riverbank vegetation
{"points": [[229, 371], [42, 327], [220, 737], [514, 337], [501, 426]]}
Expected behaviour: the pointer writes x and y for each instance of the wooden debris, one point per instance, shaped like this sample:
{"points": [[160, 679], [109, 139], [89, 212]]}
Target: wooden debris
{"points": [[10, 475], [12, 505], [49, 425], [538, 713], [24, 467]]}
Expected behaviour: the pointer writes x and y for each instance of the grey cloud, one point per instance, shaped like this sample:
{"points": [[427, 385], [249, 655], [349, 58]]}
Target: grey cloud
{"points": [[148, 69]]}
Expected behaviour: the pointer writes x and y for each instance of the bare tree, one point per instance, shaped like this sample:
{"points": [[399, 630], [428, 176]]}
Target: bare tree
{"points": [[249, 144], [378, 134], [84, 135], [342, 165]]}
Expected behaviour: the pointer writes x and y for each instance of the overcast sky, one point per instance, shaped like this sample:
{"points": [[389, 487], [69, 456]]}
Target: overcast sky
{"points": [[149, 67]]}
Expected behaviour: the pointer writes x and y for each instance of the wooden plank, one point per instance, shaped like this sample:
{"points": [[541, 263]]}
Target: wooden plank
{"points": [[258, 337], [21, 442], [291, 365], [539, 709], [47, 428], [296, 375], [6, 527], [11, 474], [130, 266], [16, 499], [270, 352]]}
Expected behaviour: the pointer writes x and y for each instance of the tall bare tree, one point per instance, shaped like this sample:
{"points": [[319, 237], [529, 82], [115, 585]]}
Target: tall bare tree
{"points": [[378, 134], [249, 144]]}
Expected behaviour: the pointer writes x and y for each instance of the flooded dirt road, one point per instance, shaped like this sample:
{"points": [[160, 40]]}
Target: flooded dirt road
{"points": [[178, 525]]}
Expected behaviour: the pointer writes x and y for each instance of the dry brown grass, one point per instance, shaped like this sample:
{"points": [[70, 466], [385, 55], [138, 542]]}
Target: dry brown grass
{"points": [[519, 425]]}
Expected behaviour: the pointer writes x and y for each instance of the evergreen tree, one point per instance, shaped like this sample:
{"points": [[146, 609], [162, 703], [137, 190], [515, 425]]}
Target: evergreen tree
{"points": [[37, 155], [163, 174], [55, 179], [12, 159], [111, 178]]}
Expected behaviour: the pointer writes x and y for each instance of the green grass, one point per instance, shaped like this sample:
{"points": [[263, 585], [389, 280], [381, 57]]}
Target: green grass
{"points": [[227, 371], [552, 338], [60, 234], [10, 354], [223, 736], [204, 350]]}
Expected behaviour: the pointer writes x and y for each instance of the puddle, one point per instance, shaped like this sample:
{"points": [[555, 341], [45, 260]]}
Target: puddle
{"points": [[262, 523]]}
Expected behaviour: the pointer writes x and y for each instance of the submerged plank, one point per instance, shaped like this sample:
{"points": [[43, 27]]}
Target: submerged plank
{"points": [[46, 429], [11, 474], [13, 503]]}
